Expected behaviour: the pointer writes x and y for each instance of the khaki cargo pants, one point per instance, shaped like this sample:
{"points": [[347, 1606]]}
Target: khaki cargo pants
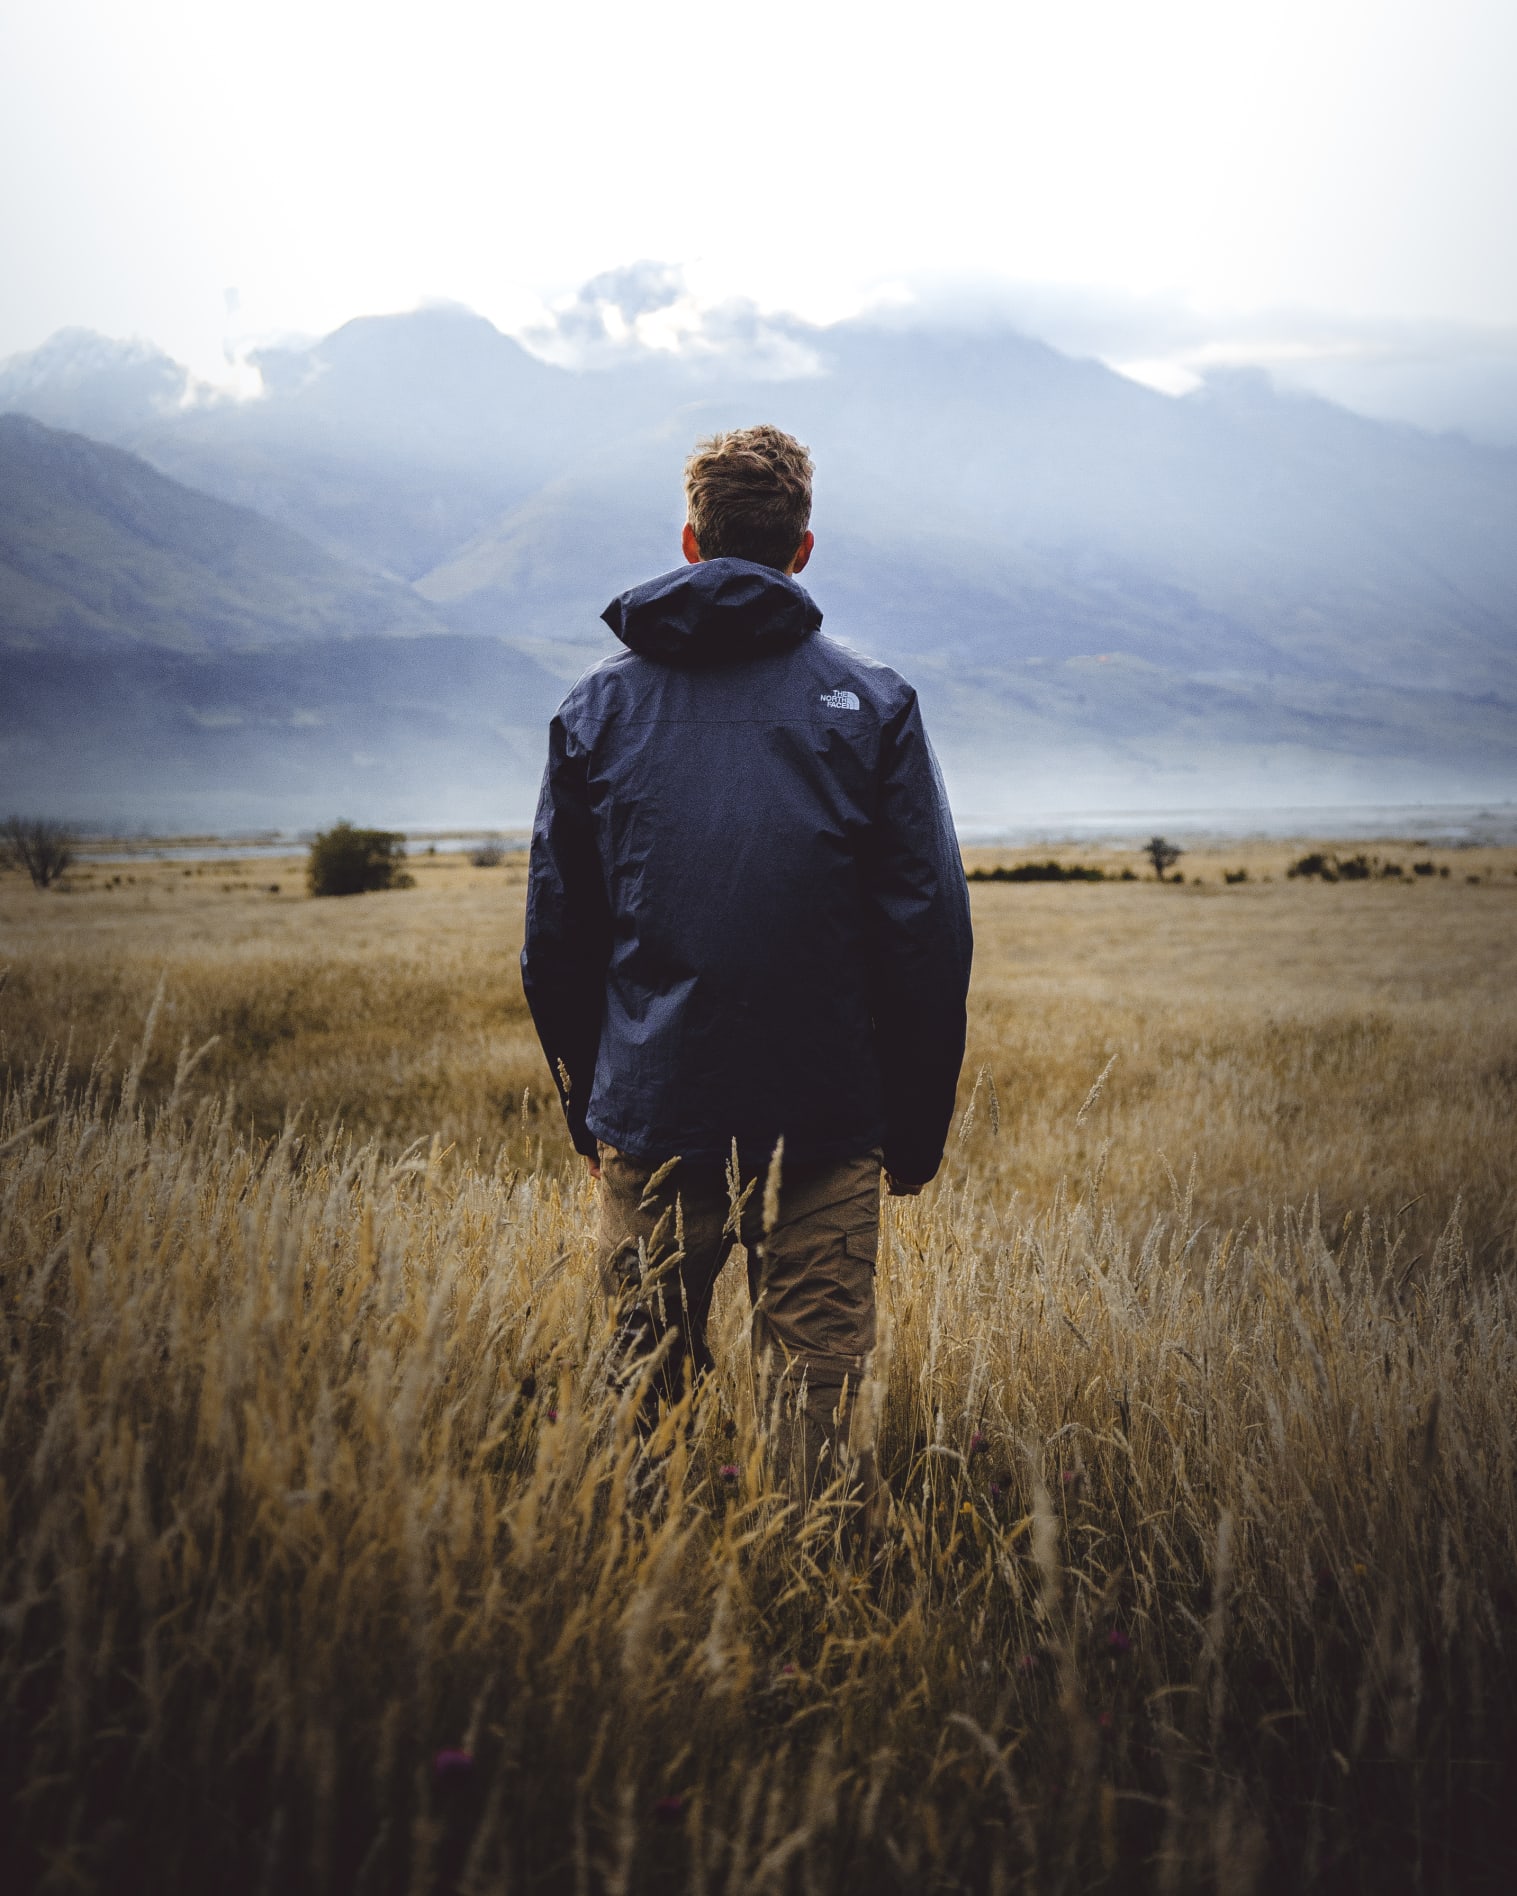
{"points": [[662, 1246]]}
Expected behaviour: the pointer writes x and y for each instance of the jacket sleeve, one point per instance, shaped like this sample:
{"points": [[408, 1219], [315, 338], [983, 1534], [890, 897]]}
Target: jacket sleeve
{"points": [[568, 944], [917, 906]]}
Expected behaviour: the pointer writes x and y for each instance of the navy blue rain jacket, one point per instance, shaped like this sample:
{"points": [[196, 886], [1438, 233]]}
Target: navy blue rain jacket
{"points": [[746, 911]]}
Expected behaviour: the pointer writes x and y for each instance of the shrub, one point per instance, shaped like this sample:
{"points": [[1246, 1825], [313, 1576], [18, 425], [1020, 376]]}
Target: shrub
{"points": [[1351, 868], [1038, 872], [487, 856], [1163, 855], [349, 861], [1235, 875], [42, 848]]}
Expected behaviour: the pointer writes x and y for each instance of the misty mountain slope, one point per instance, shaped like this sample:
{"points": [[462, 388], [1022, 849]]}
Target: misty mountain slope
{"points": [[998, 496], [404, 731], [951, 596], [392, 441], [1235, 527], [91, 384], [547, 567], [1103, 594], [1343, 545], [95, 544], [1109, 732]]}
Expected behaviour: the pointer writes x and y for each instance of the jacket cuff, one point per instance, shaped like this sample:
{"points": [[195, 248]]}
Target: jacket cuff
{"points": [[911, 1166]]}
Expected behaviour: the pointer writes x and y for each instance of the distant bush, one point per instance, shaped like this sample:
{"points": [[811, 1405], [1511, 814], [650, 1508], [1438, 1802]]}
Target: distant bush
{"points": [[349, 861], [487, 856], [42, 848], [1038, 872], [1235, 875], [1360, 868]]}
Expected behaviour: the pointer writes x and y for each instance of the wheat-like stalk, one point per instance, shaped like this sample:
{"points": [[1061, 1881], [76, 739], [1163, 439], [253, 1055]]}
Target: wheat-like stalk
{"points": [[313, 1459], [330, 1558]]}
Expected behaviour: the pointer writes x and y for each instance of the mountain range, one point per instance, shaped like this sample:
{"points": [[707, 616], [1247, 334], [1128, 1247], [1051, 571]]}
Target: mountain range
{"points": [[364, 589]]}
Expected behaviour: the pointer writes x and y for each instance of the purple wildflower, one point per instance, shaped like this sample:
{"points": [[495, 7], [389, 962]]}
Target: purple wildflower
{"points": [[728, 1471], [452, 1767], [1117, 1642], [668, 1810]]}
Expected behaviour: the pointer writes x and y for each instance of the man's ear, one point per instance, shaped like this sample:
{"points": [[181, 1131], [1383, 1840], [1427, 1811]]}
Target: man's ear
{"points": [[692, 546], [802, 552]]}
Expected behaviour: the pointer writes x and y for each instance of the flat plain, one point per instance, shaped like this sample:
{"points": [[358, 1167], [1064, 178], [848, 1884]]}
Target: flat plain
{"points": [[329, 1561]]}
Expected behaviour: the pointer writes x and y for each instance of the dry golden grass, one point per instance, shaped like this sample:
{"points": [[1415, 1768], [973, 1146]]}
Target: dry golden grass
{"points": [[1199, 1568], [1356, 1042]]}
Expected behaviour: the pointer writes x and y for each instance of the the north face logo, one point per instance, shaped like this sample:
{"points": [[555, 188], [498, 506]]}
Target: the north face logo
{"points": [[841, 700]]}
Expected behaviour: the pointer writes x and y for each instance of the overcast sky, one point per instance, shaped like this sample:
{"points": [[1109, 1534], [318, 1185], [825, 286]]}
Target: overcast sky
{"points": [[1328, 176]]}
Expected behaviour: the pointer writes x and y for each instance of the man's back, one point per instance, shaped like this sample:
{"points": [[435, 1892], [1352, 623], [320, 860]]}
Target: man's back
{"points": [[747, 920], [747, 915]]}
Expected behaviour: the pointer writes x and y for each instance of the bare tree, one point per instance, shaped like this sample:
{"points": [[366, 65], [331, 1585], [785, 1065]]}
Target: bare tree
{"points": [[43, 848], [1161, 854]]}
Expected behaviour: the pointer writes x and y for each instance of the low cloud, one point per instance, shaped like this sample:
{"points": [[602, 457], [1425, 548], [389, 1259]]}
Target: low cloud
{"points": [[1438, 376], [651, 308]]}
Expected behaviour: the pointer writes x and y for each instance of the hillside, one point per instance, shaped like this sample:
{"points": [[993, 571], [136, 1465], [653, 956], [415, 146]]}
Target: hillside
{"points": [[173, 660], [1106, 595], [96, 546], [397, 731]]}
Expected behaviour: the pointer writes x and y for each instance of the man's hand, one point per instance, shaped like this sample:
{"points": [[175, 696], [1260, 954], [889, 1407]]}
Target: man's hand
{"points": [[902, 1188], [594, 1165]]}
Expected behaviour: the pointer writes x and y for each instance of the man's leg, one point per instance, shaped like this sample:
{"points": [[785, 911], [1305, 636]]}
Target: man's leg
{"points": [[812, 1282], [660, 1248]]}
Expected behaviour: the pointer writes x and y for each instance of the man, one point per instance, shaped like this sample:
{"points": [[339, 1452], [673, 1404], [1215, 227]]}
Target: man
{"points": [[747, 949]]}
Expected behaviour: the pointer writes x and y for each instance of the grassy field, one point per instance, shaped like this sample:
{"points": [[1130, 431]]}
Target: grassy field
{"points": [[326, 1560]]}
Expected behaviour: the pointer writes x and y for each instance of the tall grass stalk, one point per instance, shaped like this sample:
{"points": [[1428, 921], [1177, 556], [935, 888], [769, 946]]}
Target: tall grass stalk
{"points": [[329, 1558]]}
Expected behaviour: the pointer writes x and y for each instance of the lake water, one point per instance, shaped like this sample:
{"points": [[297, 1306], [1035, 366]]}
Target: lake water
{"points": [[1447, 825], [1450, 826]]}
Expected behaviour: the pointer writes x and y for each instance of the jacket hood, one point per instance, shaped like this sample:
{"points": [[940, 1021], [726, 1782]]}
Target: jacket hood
{"points": [[712, 613]]}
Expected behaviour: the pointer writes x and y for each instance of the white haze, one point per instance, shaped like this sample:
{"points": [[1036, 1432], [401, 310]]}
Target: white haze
{"points": [[204, 174]]}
